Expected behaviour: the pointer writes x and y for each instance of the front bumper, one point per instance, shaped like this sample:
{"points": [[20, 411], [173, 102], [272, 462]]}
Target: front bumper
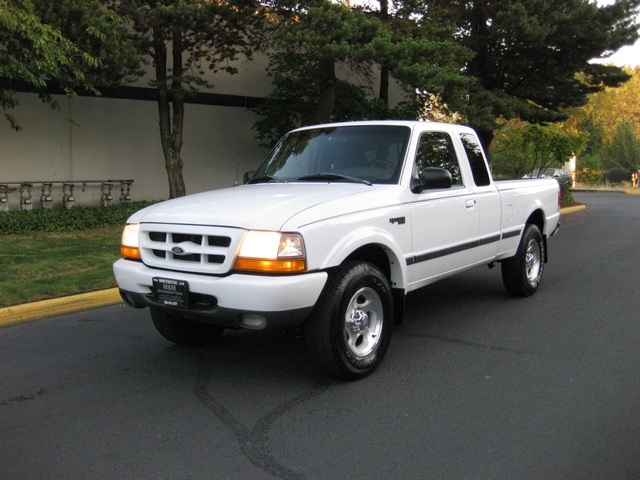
{"points": [[233, 301]]}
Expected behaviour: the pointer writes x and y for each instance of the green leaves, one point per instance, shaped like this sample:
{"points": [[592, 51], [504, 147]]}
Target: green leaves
{"points": [[77, 218], [324, 58], [531, 57], [73, 44], [623, 151], [520, 147]]}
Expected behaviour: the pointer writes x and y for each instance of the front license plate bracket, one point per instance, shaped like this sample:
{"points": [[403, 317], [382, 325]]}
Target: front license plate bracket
{"points": [[170, 292]]}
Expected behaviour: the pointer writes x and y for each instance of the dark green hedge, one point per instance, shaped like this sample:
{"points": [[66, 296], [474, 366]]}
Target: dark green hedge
{"points": [[76, 218], [567, 196]]}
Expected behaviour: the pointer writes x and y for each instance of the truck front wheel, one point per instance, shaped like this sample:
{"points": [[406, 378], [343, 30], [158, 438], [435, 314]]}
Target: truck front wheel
{"points": [[184, 332], [350, 328], [521, 274]]}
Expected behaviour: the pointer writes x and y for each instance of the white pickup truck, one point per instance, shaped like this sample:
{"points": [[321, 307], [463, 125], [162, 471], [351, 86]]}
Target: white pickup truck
{"points": [[331, 232]]}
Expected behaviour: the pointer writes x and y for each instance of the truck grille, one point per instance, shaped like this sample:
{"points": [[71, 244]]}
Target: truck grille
{"points": [[189, 248]]}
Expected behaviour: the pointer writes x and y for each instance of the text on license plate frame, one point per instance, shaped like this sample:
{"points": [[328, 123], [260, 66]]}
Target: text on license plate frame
{"points": [[171, 292]]}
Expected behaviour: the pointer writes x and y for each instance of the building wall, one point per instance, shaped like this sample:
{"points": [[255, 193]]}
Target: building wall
{"points": [[118, 138]]}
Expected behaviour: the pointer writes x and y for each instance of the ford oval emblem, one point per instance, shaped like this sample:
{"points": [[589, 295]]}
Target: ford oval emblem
{"points": [[178, 251]]}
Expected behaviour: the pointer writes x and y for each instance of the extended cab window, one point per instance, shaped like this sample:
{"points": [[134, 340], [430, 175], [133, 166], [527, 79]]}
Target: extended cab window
{"points": [[436, 150], [476, 159]]}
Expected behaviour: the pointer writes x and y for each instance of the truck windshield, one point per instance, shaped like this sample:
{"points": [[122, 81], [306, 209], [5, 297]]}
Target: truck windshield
{"points": [[365, 153]]}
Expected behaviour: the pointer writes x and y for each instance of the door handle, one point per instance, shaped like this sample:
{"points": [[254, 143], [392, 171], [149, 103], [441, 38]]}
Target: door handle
{"points": [[470, 203]]}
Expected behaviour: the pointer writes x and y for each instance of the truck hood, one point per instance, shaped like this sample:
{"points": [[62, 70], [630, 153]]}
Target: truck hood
{"points": [[261, 206]]}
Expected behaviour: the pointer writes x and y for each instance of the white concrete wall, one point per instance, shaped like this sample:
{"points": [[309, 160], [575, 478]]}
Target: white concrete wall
{"points": [[120, 139]]}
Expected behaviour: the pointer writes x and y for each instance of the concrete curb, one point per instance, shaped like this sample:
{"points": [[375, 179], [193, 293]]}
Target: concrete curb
{"points": [[57, 306], [85, 301], [575, 208]]}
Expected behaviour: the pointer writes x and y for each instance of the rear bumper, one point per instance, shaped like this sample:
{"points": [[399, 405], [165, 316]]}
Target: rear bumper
{"points": [[234, 301]]}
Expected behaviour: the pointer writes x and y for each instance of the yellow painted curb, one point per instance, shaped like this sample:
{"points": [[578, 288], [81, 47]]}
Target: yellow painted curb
{"points": [[575, 208], [57, 306]]}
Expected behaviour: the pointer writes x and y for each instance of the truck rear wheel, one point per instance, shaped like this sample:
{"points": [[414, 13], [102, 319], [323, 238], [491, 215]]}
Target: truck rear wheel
{"points": [[350, 328], [522, 273], [184, 332]]}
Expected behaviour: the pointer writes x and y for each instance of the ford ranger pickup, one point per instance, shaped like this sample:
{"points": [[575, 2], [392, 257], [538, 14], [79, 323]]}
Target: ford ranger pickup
{"points": [[331, 232]]}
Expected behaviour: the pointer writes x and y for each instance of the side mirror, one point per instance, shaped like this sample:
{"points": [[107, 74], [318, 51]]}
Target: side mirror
{"points": [[248, 176], [431, 178]]}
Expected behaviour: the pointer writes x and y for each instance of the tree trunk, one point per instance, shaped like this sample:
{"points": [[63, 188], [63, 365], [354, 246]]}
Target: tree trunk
{"points": [[384, 86], [384, 71], [327, 86], [486, 137], [171, 118]]}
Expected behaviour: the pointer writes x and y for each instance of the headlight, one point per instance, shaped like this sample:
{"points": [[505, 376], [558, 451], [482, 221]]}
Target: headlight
{"points": [[130, 246], [271, 252]]}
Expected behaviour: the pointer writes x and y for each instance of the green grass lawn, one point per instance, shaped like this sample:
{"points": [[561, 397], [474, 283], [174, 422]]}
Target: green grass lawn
{"points": [[40, 265]]}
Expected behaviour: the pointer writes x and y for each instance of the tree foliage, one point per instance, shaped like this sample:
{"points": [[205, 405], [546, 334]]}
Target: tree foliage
{"points": [[611, 106], [308, 45], [426, 56], [609, 117], [623, 151], [323, 56], [38, 54], [531, 58], [98, 30], [520, 147]]}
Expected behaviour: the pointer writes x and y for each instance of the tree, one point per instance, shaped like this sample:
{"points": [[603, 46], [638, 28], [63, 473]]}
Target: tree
{"points": [[521, 147], [39, 55], [183, 38], [322, 56], [532, 57], [623, 151], [308, 45], [611, 106], [508, 156], [426, 56], [98, 30], [601, 117]]}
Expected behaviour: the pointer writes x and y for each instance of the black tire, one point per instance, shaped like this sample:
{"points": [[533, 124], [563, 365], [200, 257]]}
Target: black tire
{"points": [[350, 328], [522, 273], [184, 332]]}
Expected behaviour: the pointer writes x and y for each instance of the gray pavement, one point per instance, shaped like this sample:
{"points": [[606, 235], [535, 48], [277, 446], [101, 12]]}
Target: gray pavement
{"points": [[476, 385]]}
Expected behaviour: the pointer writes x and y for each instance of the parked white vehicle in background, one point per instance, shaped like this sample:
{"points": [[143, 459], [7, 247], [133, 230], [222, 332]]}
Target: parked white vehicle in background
{"points": [[331, 232]]}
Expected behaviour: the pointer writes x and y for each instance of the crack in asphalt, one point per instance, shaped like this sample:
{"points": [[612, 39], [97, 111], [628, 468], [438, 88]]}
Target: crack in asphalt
{"points": [[254, 442], [467, 343], [23, 398]]}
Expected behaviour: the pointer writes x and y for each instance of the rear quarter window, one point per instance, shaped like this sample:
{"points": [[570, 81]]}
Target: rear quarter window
{"points": [[473, 150]]}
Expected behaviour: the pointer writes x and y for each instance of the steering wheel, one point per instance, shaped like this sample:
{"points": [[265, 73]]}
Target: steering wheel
{"points": [[384, 163]]}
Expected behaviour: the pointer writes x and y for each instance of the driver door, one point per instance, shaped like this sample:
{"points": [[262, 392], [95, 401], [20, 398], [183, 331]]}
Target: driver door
{"points": [[445, 222]]}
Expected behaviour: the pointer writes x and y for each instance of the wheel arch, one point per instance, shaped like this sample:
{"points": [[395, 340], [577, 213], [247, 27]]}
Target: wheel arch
{"points": [[389, 264], [537, 218]]}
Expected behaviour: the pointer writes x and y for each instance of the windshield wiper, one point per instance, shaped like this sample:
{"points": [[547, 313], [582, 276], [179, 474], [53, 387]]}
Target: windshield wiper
{"points": [[332, 177], [265, 179]]}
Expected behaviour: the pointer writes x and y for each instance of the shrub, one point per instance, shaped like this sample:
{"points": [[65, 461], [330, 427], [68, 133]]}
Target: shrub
{"points": [[588, 176], [566, 197], [76, 218]]}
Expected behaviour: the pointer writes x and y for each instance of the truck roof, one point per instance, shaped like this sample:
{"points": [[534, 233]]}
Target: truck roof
{"points": [[406, 123]]}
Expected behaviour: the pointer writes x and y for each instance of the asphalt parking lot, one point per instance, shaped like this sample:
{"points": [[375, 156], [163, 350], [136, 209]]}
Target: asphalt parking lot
{"points": [[476, 384]]}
